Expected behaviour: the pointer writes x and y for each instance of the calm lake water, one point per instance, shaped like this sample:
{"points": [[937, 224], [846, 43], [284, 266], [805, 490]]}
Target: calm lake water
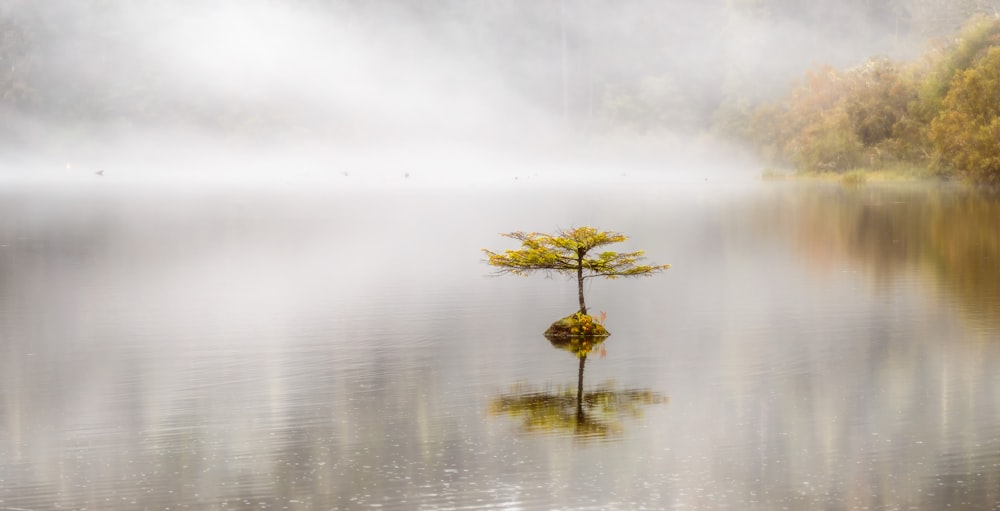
{"points": [[813, 347]]}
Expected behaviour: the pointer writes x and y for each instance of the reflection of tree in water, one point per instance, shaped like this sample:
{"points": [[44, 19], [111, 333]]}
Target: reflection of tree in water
{"points": [[596, 414], [580, 346]]}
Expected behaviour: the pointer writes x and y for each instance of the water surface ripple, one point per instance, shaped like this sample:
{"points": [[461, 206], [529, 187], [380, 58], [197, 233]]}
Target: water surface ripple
{"points": [[813, 347]]}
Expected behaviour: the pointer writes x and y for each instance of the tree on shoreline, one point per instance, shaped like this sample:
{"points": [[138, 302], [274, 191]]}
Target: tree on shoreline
{"points": [[566, 252], [966, 133]]}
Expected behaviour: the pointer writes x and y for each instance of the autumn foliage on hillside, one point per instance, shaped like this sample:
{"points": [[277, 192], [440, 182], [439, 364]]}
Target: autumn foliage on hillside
{"points": [[940, 113]]}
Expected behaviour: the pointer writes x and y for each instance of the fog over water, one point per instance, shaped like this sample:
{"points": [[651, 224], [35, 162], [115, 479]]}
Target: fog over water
{"points": [[295, 89], [241, 266]]}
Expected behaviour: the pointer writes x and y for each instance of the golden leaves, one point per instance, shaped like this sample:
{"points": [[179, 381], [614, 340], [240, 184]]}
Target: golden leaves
{"points": [[967, 130], [566, 251]]}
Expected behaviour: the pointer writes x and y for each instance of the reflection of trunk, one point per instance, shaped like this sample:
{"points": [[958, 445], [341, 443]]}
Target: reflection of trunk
{"points": [[579, 388]]}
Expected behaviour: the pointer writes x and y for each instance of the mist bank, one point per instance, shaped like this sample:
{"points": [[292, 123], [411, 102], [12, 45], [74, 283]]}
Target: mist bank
{"points": [[339, 86]]}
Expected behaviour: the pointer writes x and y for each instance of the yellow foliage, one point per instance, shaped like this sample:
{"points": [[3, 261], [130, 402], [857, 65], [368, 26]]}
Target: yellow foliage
{"points": [[566, 252], [967, 131]]}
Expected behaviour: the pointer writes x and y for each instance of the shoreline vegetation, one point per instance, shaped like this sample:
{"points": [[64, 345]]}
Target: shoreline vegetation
{"points": [[935, 118], [860, 176], [863, 176]]}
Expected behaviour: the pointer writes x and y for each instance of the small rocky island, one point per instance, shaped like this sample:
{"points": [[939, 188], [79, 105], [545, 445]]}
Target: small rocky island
{"points": [[577, 324], [578, 333]]}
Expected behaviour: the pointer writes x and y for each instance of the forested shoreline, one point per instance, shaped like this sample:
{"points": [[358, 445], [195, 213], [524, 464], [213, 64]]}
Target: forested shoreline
{"points": [[938, 115]]}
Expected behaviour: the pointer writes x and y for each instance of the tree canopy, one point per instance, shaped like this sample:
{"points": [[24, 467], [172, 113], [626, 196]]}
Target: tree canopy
{"points": [[967, 131], [568, 251], [939, 113]]}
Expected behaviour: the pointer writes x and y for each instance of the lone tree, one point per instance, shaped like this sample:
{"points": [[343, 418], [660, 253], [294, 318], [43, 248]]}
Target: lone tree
{"points": [[566, 252]]}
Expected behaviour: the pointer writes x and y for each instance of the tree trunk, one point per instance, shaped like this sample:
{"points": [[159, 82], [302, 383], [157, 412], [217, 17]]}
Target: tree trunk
{"points": [[579, 286]]}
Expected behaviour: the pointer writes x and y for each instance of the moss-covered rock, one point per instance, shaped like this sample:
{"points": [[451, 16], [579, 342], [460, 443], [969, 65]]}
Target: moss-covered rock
{"points": [[577, 325]]}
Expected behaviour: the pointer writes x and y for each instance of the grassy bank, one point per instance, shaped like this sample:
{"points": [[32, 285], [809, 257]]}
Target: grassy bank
{"points": [[856, 176]]}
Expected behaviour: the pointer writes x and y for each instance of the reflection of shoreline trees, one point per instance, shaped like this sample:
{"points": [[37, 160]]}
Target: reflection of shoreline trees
{"points": [[946, 232]]}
